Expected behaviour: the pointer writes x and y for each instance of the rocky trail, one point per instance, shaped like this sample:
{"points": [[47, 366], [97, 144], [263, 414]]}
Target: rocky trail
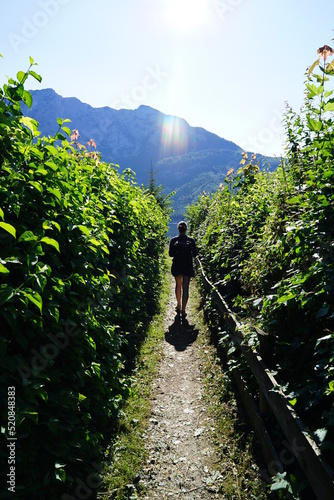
{"points": [[185, 461]]}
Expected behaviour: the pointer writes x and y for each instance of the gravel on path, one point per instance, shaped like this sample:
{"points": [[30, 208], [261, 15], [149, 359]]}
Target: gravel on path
{"points": [[181, 455]]}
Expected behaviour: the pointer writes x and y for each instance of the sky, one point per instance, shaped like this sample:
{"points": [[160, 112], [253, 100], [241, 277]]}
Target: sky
{"points": [[228, 66]]}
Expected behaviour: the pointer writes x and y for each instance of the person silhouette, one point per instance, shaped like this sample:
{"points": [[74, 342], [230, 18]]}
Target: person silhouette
{"points": [[183, 249]]}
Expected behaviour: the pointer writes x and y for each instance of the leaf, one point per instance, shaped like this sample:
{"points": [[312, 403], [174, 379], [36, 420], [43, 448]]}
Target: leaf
{"points": [[325, 338], [52, 164], [36, 185], [286, 297], [21, 76], [82, 397], [9, 228], [293, 401], [51, 150], [295, 199], [66, 130], [3, 269], [323, 311], [84, 229], [330, 388], [60, 137], [329, 106], [35, 75], [41, 171], [27, 236], [30, 123], [51, 225], [2, 215], [316, 63], [314, 125], [96, 368], [6, 293], [329, 69], [50, 241], [279, 483], [320, 434], [56, 192], [60, 474], [59, 466], [314, 90], [33, 415], [36, 299], [35, 151], [27, 98]]}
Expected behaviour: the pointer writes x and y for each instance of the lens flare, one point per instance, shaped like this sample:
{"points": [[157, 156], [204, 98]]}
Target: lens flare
{"points": [[174, 135]]}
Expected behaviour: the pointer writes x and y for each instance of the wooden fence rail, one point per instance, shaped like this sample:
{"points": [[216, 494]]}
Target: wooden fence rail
{"points": [[319, 474]]}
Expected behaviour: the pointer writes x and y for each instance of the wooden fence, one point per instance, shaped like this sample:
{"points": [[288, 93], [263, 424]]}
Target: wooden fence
{"points": [[318, 473]]}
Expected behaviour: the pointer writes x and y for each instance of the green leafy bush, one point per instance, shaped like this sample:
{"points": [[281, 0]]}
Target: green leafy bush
{"points": [[81, 251], [266, 240]]}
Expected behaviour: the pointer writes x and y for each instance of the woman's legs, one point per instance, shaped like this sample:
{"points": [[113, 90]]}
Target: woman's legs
{"points": [[178, 288], [185, 292]]}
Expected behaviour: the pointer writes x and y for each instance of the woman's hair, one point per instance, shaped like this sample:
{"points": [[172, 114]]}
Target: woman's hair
{"points": [[182, 226]]}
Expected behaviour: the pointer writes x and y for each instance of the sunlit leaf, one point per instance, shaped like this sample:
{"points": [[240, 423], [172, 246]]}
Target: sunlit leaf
{"points": [[35, 75], [55, 192], [84, 229], [329, 106], [27, 236], [9, 228], [37, 185], [315, 125], [30, 123], [66, 130], [3, 269], [50, 241], [21, 76], [314, 65], [36, 299]]}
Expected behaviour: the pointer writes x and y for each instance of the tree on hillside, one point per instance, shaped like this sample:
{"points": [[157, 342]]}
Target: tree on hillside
{"points": [[156, 190]]}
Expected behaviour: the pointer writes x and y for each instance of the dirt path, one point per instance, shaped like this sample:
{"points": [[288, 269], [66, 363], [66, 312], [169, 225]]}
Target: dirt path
{"points": [[181, 455]]}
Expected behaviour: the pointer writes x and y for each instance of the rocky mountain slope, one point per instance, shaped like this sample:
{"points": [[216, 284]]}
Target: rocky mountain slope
{"points": [[186, 159]]}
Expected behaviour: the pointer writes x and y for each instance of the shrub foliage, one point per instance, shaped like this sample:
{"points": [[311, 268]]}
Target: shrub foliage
{"points": [[81, 250], [266, 240]]}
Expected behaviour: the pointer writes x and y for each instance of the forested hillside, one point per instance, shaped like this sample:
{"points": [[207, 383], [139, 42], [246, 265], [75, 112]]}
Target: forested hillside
{"points": [[266, 242], [80, 268]]}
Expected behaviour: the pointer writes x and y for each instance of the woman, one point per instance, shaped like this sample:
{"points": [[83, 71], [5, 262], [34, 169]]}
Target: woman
{"points": [[182, 249]]}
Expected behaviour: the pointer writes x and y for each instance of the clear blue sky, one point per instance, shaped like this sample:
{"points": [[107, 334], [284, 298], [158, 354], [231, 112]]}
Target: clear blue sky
{"points": [[225, 65]]}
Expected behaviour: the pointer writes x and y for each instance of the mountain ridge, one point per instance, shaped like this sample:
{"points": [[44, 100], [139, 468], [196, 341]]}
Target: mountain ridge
{"points": [[180, 153]]}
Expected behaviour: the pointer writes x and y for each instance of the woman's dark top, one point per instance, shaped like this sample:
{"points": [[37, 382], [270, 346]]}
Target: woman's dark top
{"points": [[182, 249]]}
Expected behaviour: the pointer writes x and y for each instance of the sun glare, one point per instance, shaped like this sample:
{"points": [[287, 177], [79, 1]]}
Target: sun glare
{"points": [[174, 136], [187, 16]]}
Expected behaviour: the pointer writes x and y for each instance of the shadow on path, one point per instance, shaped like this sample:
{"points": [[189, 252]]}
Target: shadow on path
{"points": [[181, 334]]}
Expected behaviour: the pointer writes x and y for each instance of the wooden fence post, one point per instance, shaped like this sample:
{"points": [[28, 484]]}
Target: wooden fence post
{"points": [[266, 351]]}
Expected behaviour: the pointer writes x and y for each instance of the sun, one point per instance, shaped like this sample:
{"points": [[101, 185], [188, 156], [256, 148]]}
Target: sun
{"points": [[187, 16]]}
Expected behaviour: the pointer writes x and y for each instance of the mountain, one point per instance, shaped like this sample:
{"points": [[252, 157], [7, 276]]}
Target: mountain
{"points": [[186, 159]]}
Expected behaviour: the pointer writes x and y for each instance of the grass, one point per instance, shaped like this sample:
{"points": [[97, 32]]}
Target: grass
{"points": [[127, 455]]}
